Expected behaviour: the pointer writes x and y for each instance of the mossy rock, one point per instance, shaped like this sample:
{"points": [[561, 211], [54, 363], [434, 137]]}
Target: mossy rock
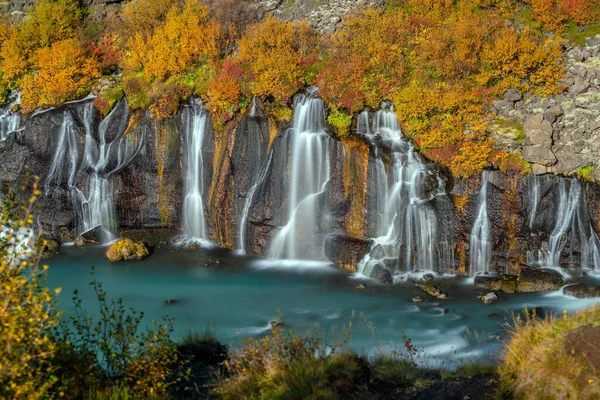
{"points": [[534, 280], [126, 250], [49, 248]]}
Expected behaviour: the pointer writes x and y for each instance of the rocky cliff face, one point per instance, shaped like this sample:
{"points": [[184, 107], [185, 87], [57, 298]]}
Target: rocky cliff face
{"points": [[323, 15], [559, 134]]}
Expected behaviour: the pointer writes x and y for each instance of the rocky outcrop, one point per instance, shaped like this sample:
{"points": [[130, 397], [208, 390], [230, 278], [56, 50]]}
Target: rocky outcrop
{"points": [[126, 250], [539, 280], [559, 134], [582, 291], [324, 16], [345, 251]]}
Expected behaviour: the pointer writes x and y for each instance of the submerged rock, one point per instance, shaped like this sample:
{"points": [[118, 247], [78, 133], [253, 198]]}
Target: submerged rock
{"points": [[171, 301], [362, 286], [345, 251], [489, 298], [417, 299], [534, 280], [582, 291], [127, 249]]}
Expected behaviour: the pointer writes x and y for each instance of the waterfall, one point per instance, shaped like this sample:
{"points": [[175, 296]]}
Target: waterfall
{"points": [[406, 220], [250, 196], [572, 225], [481, 234], [534, 194], [102, 158], [310, 170], [10, 120], [66, 156], [195, 126], [106, 152]]}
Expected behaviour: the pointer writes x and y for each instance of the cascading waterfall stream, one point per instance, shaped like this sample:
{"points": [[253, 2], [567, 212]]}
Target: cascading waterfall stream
{"points": [[481, 234], [534, 192], [310, 170], [250, 196], [406, 221], [101, 158], [195, 125], [572, 225], [9, 119]]}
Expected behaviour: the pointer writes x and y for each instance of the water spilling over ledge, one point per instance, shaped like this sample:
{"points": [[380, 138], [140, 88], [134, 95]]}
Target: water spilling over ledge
{"points": [[295, 191]]}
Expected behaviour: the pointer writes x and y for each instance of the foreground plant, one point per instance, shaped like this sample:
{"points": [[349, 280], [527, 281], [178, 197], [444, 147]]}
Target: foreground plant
{"points": [[554, 358], [114, 352], [27, 307]]}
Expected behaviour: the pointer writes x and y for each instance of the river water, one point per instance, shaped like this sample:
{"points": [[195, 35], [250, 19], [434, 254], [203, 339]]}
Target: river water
{"points": [[238, 298]]}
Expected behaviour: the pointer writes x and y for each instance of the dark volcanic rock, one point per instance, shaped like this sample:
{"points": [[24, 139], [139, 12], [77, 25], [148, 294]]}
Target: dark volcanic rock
{"points": [[345, 251], [381, 274], [538, 280], [582, 291]]}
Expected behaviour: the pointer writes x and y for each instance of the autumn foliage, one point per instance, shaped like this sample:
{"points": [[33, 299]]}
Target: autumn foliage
{"points": [[440, 62]]}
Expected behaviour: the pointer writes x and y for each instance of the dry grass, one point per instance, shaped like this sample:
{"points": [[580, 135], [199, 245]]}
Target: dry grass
{"points": [[537, 364]]}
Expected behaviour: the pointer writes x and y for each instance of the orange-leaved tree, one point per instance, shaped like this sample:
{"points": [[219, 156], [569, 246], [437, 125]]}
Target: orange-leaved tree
{"points": [[276, 57]]}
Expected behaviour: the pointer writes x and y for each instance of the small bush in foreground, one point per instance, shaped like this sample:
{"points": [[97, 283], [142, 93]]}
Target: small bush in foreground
{"points": [[545, 360], [27, 308]]}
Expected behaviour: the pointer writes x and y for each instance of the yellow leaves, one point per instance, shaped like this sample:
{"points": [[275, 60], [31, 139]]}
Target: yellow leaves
{"points": [[276, 56], [187, 36], [63, 71]]}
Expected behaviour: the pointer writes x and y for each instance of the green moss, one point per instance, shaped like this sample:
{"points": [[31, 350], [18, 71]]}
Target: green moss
{"points": [[510, 128], [586, 172], [578, 35], [340, 121]]}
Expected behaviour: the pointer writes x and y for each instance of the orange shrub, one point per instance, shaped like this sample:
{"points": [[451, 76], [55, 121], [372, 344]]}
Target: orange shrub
{"points": [[276, 57], [188, 36], [64, 72], [224, 91], [48, 22]]}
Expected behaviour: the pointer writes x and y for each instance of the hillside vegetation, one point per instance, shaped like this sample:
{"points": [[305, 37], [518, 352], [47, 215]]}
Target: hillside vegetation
{"points": [[440, 62]]}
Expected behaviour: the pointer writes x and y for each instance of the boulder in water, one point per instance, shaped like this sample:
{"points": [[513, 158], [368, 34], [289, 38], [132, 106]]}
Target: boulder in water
{"points": [[417, 299], [127, 249], [489, 298], [534, 280], [582, 291], [432, 290], [88, 238], [381, 274], [50, 248], [345, 251], [362, 286], [486, 282]]}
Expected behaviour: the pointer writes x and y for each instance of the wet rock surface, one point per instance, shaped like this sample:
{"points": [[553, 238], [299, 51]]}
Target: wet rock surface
{"points": [[345, 251], [534, 280], [582, 291]]}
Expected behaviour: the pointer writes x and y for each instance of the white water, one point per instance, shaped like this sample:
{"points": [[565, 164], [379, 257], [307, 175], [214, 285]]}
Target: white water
{"points": [[574, 226], [406, 221], [534, 192], [66, 156], [481, 234], [249, 197], [9, 120], [310, 170], [195, 126], [101, 158]]}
